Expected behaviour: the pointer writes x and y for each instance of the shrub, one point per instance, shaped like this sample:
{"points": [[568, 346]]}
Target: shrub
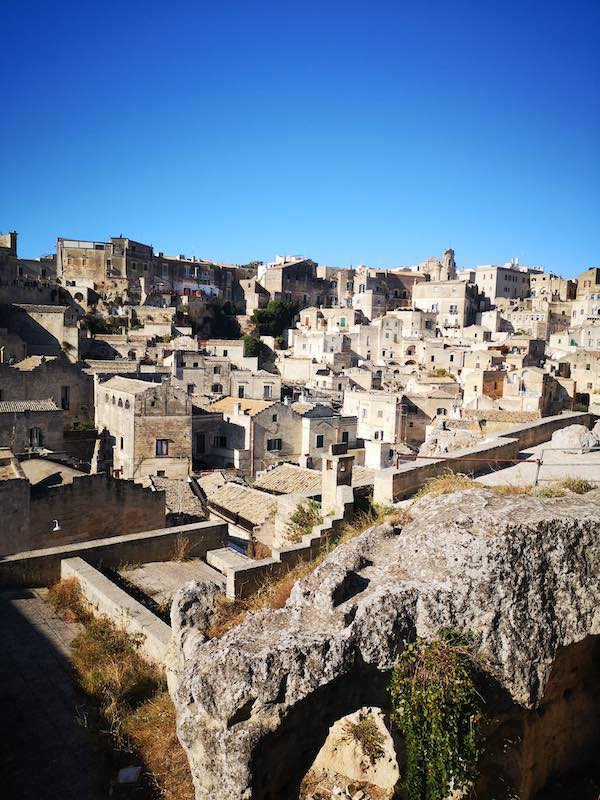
{"points": [[276, 318], [437, 708], [306, 515], [366, 733]]}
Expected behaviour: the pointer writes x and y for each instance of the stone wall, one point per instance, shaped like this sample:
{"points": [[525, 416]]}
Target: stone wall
{"points": [[92, 507], [47, 381], [394, 484], [42, 567], [15, 427]]}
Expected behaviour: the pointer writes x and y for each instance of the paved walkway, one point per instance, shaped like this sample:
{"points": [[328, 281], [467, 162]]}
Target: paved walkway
{"points": [[46, 752]]}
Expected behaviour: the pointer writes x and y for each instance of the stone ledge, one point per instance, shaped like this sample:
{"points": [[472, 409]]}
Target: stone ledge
{"points": [[118, 606]]}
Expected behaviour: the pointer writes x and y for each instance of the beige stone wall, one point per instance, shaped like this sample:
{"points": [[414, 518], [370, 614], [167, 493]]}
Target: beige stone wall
{"points": [[46, 382]]}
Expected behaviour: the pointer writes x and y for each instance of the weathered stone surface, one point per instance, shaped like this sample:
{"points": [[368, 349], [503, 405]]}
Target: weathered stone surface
{"points": [[342, 753], [575, 437], [255, 707]]}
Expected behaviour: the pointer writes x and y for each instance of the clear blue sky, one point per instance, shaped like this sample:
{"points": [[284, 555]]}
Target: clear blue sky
{"points": [[370, 132]]}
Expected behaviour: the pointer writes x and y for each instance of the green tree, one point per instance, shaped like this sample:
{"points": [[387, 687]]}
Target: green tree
{"points": [[275, 318], [252, 346]]}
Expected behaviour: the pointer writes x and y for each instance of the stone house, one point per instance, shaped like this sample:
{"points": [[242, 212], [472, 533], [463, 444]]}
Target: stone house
{"points": [[255, 434], [455, 302], [321, 428], [31, 425], [148, 427], [40, 378], [48, 330], [378, 414]]}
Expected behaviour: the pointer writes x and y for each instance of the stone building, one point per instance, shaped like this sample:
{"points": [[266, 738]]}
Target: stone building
{"points": [[379, 415], [124, 267], [455, 302], [254, 434], [40, 378], [294, 279], [8, 257], [48, 330], [30, 425], [503, 282], [148, 426]]}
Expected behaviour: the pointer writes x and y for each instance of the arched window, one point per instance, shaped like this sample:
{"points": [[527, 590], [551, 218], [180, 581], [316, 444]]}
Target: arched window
{"points": [[127, 404], [106, 398], [113, 400], [120, 403]]}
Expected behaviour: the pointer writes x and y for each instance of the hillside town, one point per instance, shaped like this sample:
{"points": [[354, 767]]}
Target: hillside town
{"points": [[181, 438], [227, 386]]}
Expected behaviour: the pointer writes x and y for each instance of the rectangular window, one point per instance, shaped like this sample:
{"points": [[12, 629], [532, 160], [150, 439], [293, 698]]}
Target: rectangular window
{"points": [[345, 436], [241, 390], [266, 392], [162, 447], [35, 437], [219, 441], [274, 417], [319, 440], [122, 442], [273, 444], [190, 388], [217, 370], [225, 352], [64, 398]]}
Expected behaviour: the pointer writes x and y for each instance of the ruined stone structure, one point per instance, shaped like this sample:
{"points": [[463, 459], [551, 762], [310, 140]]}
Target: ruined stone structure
{"points": [[519, 573]]}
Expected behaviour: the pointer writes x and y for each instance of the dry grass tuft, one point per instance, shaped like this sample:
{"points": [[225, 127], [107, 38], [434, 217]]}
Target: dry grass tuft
{"points": [[576, 485], [366, 733], [447, 483], [67, 601], [182, 549], [152, 727], [129, 692]]}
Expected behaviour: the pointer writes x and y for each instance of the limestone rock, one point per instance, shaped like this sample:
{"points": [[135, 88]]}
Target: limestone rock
{"points": [[575, 437], [519, 572], [343, 753]]}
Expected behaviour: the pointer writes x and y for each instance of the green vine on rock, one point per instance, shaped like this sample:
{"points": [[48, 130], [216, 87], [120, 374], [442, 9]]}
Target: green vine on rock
{"points": [[437, 708]]}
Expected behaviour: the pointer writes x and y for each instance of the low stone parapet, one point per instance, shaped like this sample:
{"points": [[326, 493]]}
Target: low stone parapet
{"points": [[108, 599]]}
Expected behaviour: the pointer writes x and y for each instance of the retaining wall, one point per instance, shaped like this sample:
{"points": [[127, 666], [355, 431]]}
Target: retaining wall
{"points": [[42, 567], [397, 483], [242, 581]]}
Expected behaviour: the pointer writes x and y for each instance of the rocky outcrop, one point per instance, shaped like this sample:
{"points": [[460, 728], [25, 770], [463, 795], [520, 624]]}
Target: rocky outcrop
{"points": [[576, 438], [520, 573]]}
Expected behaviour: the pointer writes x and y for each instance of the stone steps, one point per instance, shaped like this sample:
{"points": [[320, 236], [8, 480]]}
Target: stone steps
{"points": [[225, 558]]}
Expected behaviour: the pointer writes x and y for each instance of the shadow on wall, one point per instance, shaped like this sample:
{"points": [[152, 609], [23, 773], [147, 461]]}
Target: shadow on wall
{"points": [[40, 342]]}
